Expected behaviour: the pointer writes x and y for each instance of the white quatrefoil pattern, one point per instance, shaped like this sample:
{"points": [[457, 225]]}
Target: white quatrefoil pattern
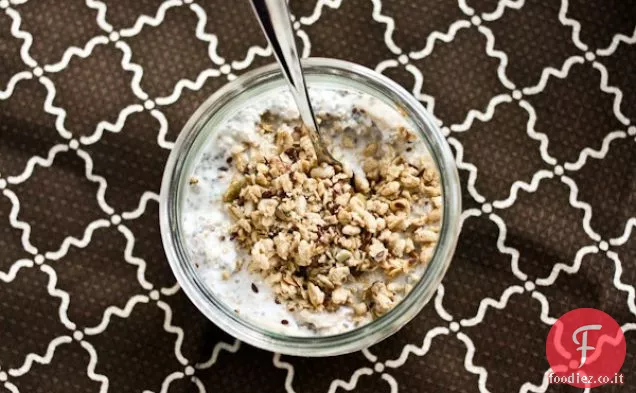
{"points": [[537, 100]]}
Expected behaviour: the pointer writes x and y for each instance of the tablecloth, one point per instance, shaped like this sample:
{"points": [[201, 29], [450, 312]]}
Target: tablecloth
{"points": [[538, 103]]}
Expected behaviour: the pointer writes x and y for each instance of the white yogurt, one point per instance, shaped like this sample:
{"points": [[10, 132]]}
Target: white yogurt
{"points": [[206, 223]]}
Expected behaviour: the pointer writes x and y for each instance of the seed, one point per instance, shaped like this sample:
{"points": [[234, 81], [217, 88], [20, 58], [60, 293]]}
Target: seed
{"points": [[350, 230]]}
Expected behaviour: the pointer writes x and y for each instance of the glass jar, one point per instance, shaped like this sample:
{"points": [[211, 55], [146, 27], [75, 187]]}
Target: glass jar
{"points": [[205, 121]]}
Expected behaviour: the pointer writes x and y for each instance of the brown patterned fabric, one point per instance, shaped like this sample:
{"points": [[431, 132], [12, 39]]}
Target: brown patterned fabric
{"points": [[538, 102]]}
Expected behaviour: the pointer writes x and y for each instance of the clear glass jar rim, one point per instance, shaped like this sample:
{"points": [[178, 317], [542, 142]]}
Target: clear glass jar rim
{"points": [[358, 338]]}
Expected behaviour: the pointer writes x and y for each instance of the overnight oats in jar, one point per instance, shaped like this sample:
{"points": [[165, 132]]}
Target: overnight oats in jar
{"points": [[298, 256]]}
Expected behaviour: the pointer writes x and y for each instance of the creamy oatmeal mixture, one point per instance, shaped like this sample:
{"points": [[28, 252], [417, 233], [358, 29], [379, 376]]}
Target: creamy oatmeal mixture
{"points": [[304, 248]]}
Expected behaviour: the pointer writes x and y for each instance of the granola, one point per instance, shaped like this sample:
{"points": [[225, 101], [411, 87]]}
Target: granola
{"points": [[315, 231]]}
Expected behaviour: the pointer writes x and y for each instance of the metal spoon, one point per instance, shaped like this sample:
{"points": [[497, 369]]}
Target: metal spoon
{"points": [[273, 16]]}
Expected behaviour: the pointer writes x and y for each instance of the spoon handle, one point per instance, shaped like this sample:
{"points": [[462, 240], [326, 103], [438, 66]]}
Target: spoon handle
{"points": [[274, 18]]}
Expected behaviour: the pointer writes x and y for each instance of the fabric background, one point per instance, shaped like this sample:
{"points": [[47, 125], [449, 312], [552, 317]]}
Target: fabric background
{"points": [[537, 99]]}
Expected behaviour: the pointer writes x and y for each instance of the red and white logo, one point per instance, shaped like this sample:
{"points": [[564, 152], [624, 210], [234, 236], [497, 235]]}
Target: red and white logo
{"points": [[586, 348]]}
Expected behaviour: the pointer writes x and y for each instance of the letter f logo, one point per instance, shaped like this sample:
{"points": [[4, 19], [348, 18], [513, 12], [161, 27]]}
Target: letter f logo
{"points": [[584, 347]]}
